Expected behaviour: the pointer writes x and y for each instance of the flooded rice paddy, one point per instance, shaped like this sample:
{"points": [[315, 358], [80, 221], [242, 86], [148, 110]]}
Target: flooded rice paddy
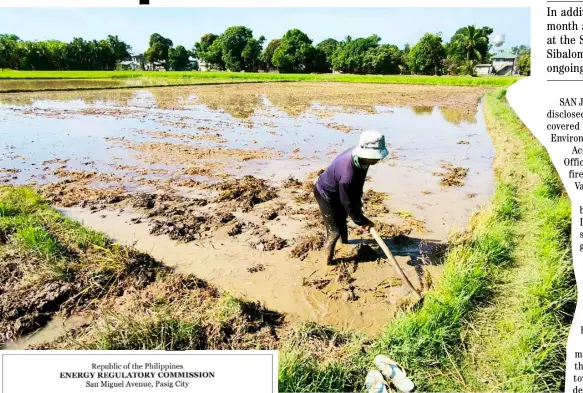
{"points": [[215, 181], [8, 85]]}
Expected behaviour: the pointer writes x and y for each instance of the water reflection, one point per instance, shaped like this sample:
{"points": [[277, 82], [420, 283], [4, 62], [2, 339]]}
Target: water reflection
{"points": [[42, 84], [244, 101], [457, 117], [239, 103], [114, 97], [422, 110]]}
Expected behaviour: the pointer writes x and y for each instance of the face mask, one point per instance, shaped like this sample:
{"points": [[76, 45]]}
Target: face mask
{"points": [[358, 164]]}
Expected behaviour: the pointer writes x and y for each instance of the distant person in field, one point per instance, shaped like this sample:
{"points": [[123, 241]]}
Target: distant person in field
{"points": [[339, 189]]}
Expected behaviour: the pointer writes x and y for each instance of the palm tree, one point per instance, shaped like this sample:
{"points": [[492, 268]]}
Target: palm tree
{"points": [[469, 38]]}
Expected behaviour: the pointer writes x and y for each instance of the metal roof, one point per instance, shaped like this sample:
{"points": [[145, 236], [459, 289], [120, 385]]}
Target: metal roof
{"points": [[504, 55]]}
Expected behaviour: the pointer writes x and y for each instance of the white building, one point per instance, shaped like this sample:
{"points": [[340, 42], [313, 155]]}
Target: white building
{"points": [[135, 64], [483, 69], [130, 65], [504, 63], [155, 66]]}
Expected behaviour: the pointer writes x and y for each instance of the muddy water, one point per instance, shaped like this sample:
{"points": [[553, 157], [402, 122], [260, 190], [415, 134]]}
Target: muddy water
{"points": [[11, 84], [56, 84], [142, 138], [57, 327], [280, 286], [87, 132]]}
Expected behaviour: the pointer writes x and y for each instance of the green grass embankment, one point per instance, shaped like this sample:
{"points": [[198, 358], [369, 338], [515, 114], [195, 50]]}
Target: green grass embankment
{"points": [[517, 342], [153, 79]]}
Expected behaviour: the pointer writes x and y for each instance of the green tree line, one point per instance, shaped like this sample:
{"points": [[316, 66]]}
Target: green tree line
{"points": [[237, 49], [52, 55], [296, 52]]}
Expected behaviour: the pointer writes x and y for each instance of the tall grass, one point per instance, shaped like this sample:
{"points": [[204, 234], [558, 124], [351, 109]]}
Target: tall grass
{"points": [[249, 76], [529, 353], [430, 337]]}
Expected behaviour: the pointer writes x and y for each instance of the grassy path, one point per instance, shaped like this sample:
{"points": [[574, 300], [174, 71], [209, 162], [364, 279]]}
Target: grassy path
{"points": [[517, 342]]}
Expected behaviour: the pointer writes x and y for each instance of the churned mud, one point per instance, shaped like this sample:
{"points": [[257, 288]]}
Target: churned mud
{"points": [[252, 252], [216, 181], [452, 175]]}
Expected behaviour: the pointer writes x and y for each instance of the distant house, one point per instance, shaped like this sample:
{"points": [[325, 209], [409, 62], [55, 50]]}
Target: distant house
{"points": [[136, 63], [140, 59], [203, 65], [504, 63], [206, 66], [156, 66], [192, 64], [483, 69], [128, 65]]}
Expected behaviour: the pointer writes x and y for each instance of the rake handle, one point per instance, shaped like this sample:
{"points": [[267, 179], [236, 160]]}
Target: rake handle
{"points": [[389, 255]]}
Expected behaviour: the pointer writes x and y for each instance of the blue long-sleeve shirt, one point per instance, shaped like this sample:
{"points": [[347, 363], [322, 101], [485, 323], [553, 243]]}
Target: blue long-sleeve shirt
{"points": [[343, 182]]}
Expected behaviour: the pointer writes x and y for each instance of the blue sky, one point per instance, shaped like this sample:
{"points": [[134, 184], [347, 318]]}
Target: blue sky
{"points": [[186, 25]]}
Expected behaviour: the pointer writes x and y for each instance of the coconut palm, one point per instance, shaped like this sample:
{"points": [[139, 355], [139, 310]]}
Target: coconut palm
{"points": [[469, 38]]}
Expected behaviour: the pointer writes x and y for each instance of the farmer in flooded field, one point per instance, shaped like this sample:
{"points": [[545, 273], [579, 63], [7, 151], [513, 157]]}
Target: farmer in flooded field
{"points": [[339, 189]]}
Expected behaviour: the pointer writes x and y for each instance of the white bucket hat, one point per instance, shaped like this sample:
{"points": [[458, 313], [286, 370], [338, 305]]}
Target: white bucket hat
{"points": [[371, 145]]}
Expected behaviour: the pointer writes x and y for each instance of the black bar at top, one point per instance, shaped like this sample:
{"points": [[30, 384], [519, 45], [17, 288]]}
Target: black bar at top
{"points": [[144, 2]]}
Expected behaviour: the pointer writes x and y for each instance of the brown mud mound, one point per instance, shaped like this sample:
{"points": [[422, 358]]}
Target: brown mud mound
{"points": [[85, 177], [213, 136], [272, 213], [198, 171], [188, 225], [306, 243], [305, 193], [310, 215], [167, 203], [291, 182], [177, 313], [178, 154], [245, 193], [374, 202], [392, 230], [143, 201], [256, 268], [452, 176], [318, 283], [353, 255], [340, 127], [269, 243], [242, 227], [185, 229], [344, 272], [68, 194]]}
